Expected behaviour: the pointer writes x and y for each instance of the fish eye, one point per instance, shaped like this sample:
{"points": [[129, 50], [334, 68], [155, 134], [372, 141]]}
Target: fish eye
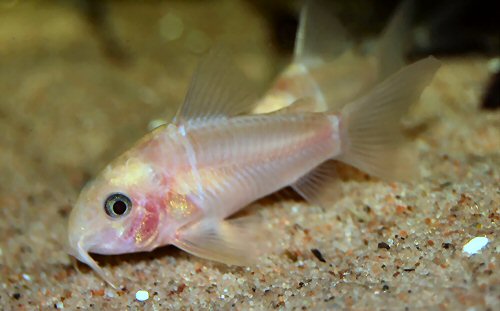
{"points": [[117, 205]]}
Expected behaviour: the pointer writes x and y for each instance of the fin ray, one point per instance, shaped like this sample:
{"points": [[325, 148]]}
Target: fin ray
{"points": [[319, 186], [218, 88], [234, 242], [373, 142]]}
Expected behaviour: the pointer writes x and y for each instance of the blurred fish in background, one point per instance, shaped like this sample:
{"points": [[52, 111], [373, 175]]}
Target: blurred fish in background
{"points": [[447, 27], [334, 39], [415, 30], [328, 67]]}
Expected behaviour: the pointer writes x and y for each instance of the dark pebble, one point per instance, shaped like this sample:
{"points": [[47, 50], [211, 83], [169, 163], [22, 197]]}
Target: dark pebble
{"points": [[329, 298], [384, 245], [447, 245], [318, 254]]}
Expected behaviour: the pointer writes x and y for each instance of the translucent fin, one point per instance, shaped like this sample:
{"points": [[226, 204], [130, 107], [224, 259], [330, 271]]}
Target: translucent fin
{"points": [[319, 186], [394, 40], [320, 37], [218, 88], [233, 242], [371, 139], [306, 104]]}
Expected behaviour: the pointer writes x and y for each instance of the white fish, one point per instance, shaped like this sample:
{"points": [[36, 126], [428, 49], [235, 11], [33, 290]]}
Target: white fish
{"points": [[180, 182], [329, 68]]}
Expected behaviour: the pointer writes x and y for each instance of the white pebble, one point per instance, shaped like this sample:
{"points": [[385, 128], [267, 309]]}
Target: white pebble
{"points": [[109, 293], [142, 295], [26, 277], [59, 305], [475, 245]]}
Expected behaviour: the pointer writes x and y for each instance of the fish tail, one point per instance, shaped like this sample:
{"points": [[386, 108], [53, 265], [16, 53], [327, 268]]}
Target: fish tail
{"points": [[369, 127]]}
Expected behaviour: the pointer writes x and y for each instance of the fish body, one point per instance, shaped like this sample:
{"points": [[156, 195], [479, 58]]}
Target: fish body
{"points": [[180, 174], [180, 183]]}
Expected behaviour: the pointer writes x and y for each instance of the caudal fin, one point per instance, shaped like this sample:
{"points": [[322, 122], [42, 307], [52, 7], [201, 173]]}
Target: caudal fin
{"points": [[370, 131]]}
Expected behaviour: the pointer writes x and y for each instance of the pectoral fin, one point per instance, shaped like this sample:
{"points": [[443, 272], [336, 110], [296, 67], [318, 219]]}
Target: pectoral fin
{"points": [[233, 242]]}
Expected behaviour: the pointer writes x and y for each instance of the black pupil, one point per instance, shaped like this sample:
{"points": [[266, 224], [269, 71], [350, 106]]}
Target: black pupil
{"points": [[119, 207]]}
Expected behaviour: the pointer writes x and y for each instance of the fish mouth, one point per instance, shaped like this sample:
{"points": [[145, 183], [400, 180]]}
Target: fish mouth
{"points": [[80, 253]]}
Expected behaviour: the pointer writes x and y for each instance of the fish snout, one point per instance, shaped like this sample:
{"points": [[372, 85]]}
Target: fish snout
{"points": [[80, 242]]}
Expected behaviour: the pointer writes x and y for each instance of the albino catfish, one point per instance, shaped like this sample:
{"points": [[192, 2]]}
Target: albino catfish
{"points": [[179, 183], [330, 67]]}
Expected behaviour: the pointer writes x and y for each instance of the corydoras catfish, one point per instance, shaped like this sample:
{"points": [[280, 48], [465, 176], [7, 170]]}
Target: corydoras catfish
{"points": [[328, 66], [179, 183]]}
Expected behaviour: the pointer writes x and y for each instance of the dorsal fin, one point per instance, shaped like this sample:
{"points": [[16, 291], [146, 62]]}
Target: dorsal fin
{"points": [[394, 40], [218, 88], [320, 36]]}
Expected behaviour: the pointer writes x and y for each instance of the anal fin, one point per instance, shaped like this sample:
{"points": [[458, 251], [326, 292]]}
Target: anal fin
{"points": [[234, 242], [320, 186]]}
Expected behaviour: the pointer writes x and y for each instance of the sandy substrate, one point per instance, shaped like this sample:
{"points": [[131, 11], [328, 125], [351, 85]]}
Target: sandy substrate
{"points": [[66, 110]]}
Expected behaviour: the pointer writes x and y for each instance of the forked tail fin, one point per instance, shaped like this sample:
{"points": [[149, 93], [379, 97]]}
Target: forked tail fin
{"points": [[371, 139]]}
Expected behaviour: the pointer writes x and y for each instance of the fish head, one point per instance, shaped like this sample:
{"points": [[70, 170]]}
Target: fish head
{"points": [[118, 212]]}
